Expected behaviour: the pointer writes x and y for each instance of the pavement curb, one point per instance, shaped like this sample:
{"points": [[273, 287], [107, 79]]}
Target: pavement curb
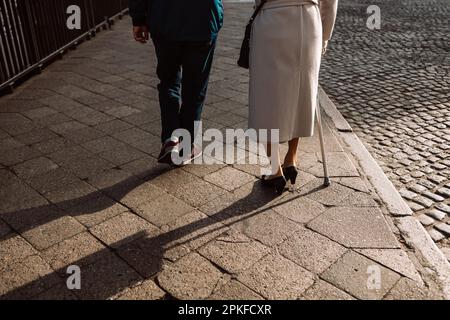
{"points": [[331, 110], [410, 229]]}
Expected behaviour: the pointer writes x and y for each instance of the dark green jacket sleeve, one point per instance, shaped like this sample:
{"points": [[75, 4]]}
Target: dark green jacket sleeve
{"points": [[139, 11]]}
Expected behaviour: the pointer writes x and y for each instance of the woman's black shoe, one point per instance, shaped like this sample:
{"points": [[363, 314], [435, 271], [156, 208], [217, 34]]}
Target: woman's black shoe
{"points": [[279, 183], [291, 174]]}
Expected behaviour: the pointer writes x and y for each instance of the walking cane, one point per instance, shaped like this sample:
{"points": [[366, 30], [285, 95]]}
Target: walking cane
{"points": [[327, 181]]}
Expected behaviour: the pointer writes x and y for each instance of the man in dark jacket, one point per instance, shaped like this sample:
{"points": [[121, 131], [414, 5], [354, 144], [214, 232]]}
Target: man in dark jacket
{"points": [[184, 34]]}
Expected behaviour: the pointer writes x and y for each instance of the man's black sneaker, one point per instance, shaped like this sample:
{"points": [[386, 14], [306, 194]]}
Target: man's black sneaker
{"points": [[167, 151]]}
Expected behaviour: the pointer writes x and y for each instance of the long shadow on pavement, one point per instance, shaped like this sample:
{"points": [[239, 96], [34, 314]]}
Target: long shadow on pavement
{"points": [[108, 272]]}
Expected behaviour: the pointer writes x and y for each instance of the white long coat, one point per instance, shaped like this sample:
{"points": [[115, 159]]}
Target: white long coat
{"points": [[285, 57]]}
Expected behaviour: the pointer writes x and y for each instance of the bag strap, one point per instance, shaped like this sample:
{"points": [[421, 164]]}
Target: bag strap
{"points": [[258, 9]]}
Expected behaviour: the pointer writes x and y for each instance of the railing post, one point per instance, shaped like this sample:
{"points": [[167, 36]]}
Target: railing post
{"points": [[32, 29]]}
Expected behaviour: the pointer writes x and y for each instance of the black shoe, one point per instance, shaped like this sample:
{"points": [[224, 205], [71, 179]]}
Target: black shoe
{"points": [[167, 150], [279, 183], [291, 174]]}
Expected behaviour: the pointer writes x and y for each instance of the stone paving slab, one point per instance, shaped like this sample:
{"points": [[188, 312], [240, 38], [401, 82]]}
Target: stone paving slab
{"points": [[355, 227], [322, 290], [277, 278], [82, 247], [234, 252], [311, 250], [349, 272], [29, 277], [191, 277], [80, 185], [46, 235]]}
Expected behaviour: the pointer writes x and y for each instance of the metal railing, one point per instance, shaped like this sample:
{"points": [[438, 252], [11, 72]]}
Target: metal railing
{"points": [[33, 32]]}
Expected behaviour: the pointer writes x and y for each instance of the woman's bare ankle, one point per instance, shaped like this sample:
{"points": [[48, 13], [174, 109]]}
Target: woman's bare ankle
{"points": [[289, 163]]}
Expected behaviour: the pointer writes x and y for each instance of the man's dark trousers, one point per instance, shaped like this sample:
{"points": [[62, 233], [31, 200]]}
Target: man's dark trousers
{"points": [[183, 70]]}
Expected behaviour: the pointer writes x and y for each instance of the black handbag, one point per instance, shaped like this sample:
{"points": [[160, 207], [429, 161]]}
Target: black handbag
{"points": [[244, 56]]}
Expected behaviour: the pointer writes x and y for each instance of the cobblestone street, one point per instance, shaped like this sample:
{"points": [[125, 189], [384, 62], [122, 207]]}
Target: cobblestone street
{"points": [[393, 87], [80, 186]]}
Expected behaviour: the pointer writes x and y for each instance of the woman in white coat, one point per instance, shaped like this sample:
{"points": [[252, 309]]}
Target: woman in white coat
{"points": [[287, 42]]}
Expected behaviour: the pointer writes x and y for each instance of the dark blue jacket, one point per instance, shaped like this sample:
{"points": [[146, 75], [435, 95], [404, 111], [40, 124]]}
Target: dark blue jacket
{"points": [[179, 20]]}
